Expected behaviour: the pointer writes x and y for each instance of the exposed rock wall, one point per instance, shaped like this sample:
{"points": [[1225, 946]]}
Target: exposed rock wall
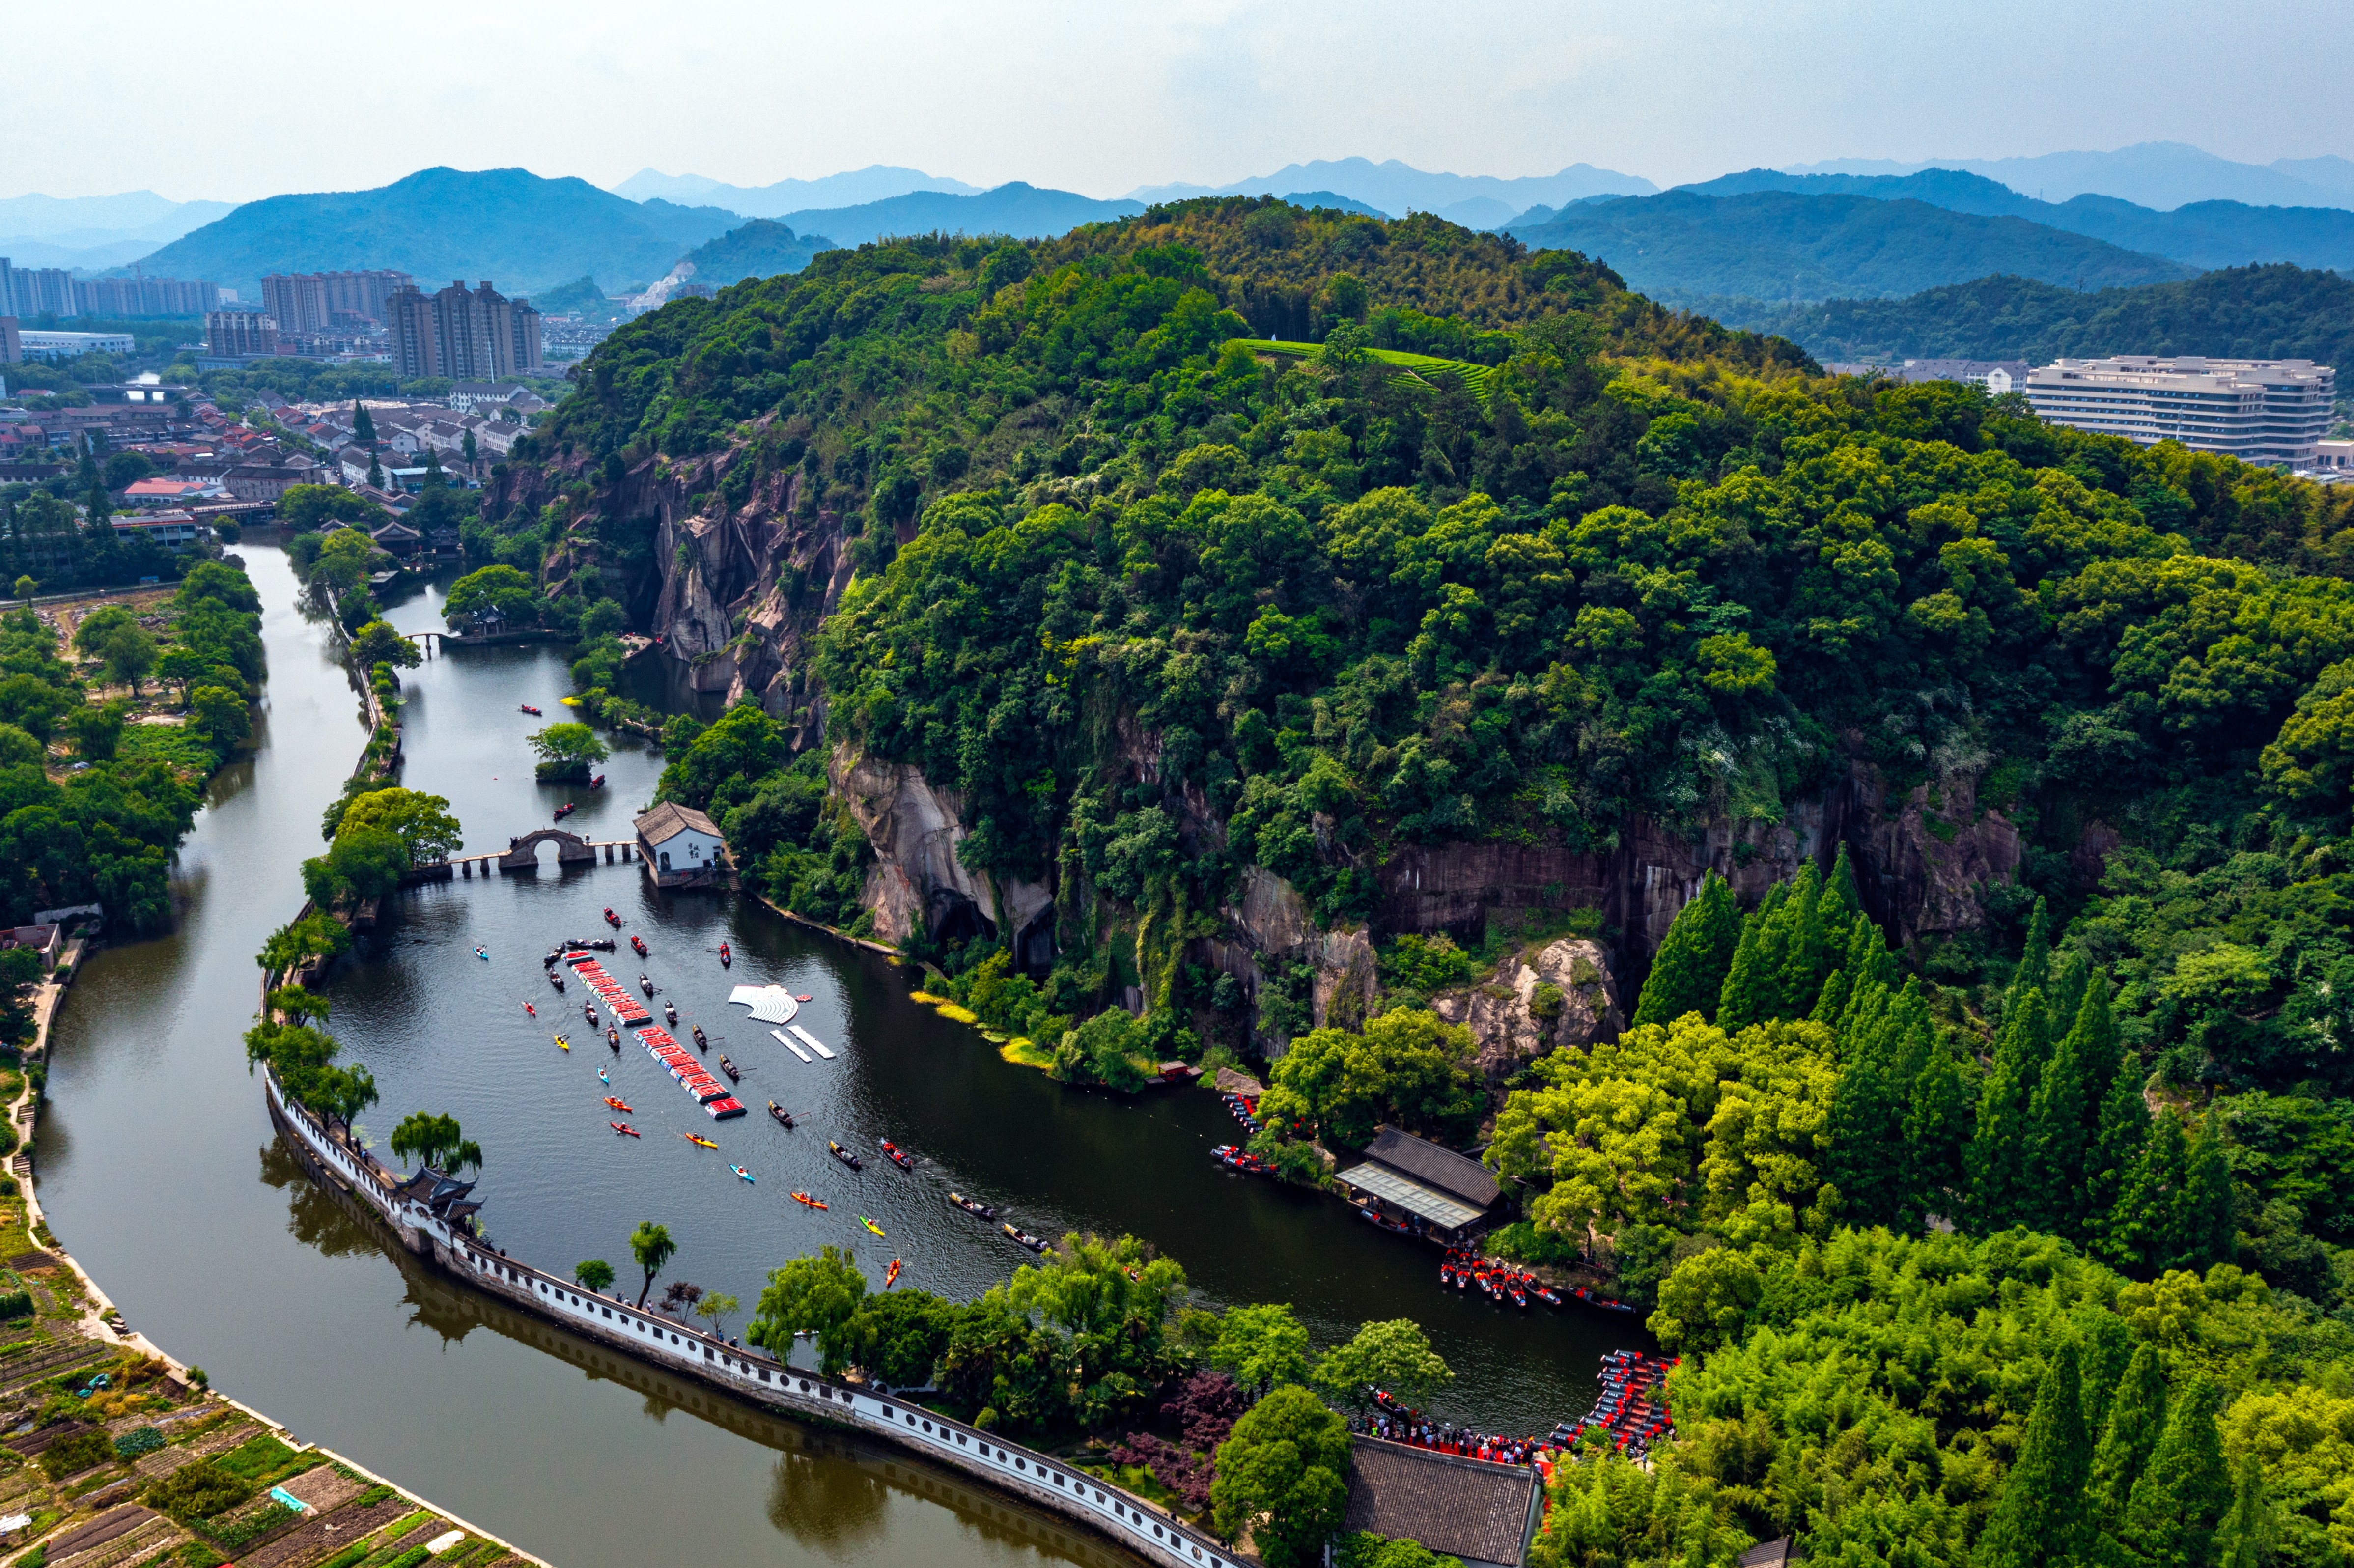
{"points": [[1560, 996], [918, 883]]}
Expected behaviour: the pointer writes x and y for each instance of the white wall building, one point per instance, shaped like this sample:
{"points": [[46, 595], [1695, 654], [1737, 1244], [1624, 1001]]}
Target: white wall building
{"points": [[2261, 410]]}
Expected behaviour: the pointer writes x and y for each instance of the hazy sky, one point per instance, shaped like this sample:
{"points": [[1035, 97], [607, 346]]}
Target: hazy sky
{"points": [[198, 100]]}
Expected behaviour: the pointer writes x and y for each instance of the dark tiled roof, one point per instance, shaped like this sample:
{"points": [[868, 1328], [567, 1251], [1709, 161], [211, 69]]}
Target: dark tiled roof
{"points": [[1464, 1508], [1778, 1553], [1432, 1166]]}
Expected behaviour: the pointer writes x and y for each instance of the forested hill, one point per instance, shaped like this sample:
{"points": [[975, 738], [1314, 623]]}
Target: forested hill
{"points": [[2242, 312], [1249, 680]]}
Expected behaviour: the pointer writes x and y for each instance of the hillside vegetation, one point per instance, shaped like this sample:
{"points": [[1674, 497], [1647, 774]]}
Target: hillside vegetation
{"points": [[762, 249], [1164, 605], [1774, 245], [2246, 312]]}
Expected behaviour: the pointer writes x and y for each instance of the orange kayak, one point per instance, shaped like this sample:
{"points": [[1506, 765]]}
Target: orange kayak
{"points": [[704, 1141], [892, 1277], [805, 1199], [616, 1104]]}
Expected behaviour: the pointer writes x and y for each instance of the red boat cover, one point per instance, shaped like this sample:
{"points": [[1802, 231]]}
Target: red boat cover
{"points": [[721, 1109]]}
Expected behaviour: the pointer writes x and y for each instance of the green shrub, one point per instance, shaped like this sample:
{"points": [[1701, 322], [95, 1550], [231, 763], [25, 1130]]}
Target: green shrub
{"points": [[16, 1304], [199, 1490], [69, 1456]]}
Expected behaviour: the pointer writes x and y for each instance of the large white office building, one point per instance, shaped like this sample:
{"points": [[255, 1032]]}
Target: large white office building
{"points": [[2261, 411]]}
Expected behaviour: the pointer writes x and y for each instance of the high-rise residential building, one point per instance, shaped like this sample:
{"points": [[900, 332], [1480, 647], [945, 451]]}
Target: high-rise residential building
{"points": [[129, 298], [2261, 411], [240, 334], [27, 291], [307, 302], [467, 334]]}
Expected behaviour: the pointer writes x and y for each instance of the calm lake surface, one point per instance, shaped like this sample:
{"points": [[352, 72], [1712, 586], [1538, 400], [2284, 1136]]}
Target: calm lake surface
{"points": [[161, 1171]]}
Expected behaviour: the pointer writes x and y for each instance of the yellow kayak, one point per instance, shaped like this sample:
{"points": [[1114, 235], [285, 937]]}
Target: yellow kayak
{"points": [[560, 1040], [870, 1224], [704, 1141]]}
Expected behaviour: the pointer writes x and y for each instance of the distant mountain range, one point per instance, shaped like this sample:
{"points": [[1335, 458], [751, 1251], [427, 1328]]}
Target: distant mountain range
{"points": [[2204, 234], [1021, 210], [2161, 175], [1781, 246], [1475, 201], [95, 232], [510, 226], [2250, 312], [877, 181]]}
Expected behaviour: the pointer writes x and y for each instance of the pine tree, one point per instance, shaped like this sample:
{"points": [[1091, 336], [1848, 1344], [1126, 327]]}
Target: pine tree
{"points": [[2247, 1530], [2000, 1171], [2039, 1516], [2064, 994], [2203, 1230], [2137, 1416], [1937, 1123], [376, 471], [2034, 970], [1867, 1156], [2120, 1131], [2140, 1234], [2066, 1113], [2184, 1494], [1739, 1004], [363, 424], [1808, 950], [1840, 901], [1688, 974], [2106, 1346]]}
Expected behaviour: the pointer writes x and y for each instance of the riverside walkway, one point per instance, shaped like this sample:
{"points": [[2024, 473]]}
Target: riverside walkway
{"points": [[111, 1429]]}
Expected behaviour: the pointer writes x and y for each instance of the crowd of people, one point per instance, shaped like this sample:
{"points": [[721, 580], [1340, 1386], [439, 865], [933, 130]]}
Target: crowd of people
{"points": [[1395, 1422]]}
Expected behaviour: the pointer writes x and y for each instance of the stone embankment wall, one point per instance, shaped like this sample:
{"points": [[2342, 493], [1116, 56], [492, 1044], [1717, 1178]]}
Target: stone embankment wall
{"points": [[748, 1375]]}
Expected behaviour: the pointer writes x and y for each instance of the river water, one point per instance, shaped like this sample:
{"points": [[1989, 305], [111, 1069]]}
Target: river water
{"points": [[159, 1169]]}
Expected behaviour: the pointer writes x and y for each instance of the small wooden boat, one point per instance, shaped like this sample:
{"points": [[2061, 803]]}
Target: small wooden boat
{"points": [[892, 1277], [807, 1201], [973, 1206], [896, 1155], [527, 707], [741, 1171], [670, 1012], [614, 1038], [693, 1137], [555, 979], [565, 810], [598, 782], [645, 985], [1022, 1238], [844, 1155], [617, 1105], [726, 959], [784, 1117], [624, 1129], [701, 1041], [614, 921], [637, 946], [871, 1225], [605, 943], [728, 1067]]}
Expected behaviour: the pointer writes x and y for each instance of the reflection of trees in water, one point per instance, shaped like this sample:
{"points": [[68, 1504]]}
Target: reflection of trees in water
{"points": [[823, 1499], [312, 1216]]}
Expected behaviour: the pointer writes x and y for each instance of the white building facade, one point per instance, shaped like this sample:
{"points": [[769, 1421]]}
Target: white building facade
{"points": [[2259, 410]]}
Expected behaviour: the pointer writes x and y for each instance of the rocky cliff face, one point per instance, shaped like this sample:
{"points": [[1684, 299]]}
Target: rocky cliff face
{"points": [[735, 591], [917, 881]]}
